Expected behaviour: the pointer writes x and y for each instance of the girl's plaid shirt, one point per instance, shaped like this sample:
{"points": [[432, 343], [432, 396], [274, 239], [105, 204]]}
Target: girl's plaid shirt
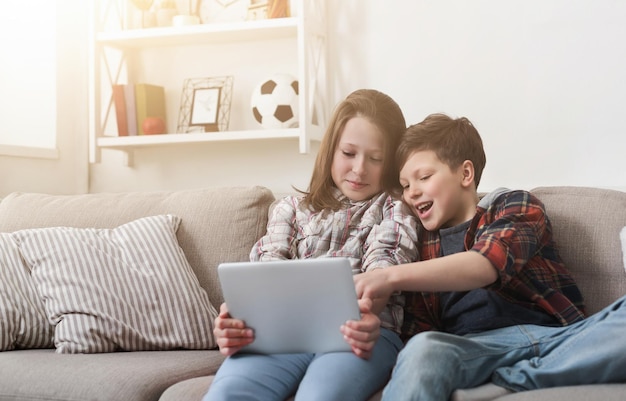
{"points": [[375, 233]]}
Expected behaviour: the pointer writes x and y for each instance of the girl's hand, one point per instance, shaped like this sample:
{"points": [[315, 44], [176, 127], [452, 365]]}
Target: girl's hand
{"points": [[362, 334], [231, 334]]}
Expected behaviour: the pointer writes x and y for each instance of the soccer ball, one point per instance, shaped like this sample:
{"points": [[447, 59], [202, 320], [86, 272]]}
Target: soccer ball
{"points": [[275, 102]]}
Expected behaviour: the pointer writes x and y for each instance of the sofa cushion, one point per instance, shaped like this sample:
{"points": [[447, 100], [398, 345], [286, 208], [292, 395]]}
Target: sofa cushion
{"points": [[23, 323], [42, 374], [129, 288], [604, 392], [219, 224], [191, 389], [586, 224]]}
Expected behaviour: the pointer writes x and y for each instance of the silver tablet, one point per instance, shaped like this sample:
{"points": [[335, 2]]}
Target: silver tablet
{"points": [[292, 305]]}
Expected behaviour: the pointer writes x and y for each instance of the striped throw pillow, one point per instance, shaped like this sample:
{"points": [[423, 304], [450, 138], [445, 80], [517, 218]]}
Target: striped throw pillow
{"points": [[124, 289], [23, 322]]}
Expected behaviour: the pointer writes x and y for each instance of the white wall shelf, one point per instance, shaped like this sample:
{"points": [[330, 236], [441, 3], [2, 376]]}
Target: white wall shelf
{"points": [[268, 29], [129, 144], [307, 27]]}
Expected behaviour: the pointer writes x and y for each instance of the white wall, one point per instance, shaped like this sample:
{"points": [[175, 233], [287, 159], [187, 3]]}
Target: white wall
{"points": [[543, 81]]}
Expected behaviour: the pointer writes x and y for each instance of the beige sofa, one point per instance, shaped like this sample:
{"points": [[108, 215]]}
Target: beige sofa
{"points": [[221, 224]]}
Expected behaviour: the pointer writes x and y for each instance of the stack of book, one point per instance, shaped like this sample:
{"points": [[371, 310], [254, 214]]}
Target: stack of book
{"points": [[133, 103]]}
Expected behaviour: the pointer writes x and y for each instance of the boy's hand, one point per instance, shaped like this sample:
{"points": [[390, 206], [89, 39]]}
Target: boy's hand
{"points": [[374, 285], [362, 334], [231, 334]]}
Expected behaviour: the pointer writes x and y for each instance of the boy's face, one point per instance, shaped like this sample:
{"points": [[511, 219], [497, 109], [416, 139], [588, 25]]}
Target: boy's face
{"points": [[357, 167], [434, 192]]}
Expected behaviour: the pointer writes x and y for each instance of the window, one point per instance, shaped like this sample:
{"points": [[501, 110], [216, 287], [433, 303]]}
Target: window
{"points": [[28, 75]]}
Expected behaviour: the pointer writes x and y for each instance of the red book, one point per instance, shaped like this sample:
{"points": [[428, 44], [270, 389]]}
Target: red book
{"points": [[119, 101]]}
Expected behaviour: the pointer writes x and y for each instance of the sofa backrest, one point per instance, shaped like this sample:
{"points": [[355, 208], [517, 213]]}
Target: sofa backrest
{"points": [[221, 225], [587, 224], [218, 224]]}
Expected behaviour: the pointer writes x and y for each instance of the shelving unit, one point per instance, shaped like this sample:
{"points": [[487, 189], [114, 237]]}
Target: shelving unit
{"points": [[113, 49], [130, 143]]}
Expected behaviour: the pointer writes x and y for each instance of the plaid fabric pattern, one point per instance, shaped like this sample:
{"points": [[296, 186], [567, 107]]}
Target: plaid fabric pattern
{"points": [[515, 234], [375, 233]]}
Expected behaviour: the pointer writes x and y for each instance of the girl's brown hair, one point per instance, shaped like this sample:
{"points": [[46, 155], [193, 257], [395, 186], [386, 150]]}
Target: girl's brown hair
{"points": [[379, 109]]}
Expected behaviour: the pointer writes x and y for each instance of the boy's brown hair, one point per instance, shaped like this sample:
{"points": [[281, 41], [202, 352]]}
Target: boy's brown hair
{"points": [[452, 140], [379, 109]]}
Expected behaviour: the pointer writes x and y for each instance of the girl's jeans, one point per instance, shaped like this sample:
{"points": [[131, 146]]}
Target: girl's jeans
{"points": [[322, 377], [434, 364]]}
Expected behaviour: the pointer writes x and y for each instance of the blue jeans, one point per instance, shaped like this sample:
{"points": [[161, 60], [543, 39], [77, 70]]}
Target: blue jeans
{"points": [[323, 377], [434, 364]]}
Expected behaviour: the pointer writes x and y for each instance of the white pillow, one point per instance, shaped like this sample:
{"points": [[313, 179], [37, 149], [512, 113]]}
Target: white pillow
{"points": [[129, 288], [23, 322]]}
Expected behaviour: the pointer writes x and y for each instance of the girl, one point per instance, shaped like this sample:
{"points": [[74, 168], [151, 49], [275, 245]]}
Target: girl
{"points": [[347, 211]]}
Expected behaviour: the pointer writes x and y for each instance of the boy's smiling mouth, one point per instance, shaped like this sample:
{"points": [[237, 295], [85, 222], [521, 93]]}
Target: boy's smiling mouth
{"points": [[422, 208]]}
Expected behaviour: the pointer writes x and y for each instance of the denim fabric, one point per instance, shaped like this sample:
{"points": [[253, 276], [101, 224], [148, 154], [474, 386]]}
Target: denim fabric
{"points": [[525, 357], [331, 376]]}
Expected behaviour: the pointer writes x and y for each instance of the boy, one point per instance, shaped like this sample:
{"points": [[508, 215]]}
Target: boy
{"points": [[491, 298]]}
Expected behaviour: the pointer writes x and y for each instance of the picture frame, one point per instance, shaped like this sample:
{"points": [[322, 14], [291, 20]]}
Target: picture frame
{"points": [[205, 104]]}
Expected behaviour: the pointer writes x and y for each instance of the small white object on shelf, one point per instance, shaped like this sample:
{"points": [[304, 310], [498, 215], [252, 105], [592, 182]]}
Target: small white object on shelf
{"points": [[185, 20]]}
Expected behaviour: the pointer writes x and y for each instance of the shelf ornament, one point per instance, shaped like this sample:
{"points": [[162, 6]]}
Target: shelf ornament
{"points": [[144, 6], [274, 102], [205, 104]]}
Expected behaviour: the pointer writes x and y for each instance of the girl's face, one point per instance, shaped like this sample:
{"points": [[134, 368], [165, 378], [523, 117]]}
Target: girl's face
{"points": [[357, 167]]}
